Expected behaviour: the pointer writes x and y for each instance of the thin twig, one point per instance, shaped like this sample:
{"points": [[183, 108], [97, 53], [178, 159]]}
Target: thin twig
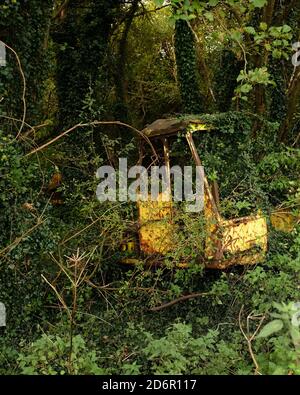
{"points": [[63, 303], [146, 12], [296, 140], [23, 236], [16, 120], [61, 9], [249, 338], [24, 87], [89, 225], [293, 79]]}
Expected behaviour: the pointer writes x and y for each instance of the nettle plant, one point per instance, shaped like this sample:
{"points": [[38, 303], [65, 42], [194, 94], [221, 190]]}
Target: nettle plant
{"points": [[49, 355], [283, 338], [179, 351]]}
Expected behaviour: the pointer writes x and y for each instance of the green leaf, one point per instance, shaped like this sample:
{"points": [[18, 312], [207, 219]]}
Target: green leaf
{"points": [[268, 47], [259, 3], [295, 335], [236, 35], [209, 16], [263, 26], [279, 306], [159, 3], [276, 53], [250, 30], [241, 76], [286, 28], [213, 3], [272, 327]]}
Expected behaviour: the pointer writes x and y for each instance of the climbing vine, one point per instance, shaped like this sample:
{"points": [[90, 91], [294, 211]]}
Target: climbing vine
{"points": [[31, 45], [186, 61]]}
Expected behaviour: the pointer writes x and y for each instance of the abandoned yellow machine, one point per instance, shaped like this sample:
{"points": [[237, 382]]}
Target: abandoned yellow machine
{"points": [[241, 241]]}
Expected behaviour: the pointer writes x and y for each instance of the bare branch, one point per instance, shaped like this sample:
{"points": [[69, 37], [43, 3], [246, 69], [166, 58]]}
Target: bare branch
{"points": [[181, 299], [93, 123]]}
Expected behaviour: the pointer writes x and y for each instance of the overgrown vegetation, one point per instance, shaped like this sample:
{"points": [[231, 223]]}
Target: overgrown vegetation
{"points": [[74, 69]]}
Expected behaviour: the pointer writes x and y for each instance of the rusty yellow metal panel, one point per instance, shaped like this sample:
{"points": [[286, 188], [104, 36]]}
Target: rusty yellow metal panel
{"points": [[130, 261], [156, 228], [241, 241], [245, 233], [246, 258], [284, 221]]}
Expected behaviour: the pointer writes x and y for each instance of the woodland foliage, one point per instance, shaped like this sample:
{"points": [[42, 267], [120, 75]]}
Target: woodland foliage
{"points": [[72, 308]]}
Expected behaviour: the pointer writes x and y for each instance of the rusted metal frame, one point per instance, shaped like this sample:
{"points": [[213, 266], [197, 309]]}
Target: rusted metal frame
{"points": [[197, 160], [215, 193]]}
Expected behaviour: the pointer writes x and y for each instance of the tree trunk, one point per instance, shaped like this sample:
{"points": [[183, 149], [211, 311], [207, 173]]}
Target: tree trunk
{"points": [[186, 63], [25, 30]]}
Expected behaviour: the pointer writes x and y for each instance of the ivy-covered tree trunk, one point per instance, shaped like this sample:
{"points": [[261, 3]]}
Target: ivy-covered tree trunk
{"points": [[283, 104], [226, 79], [121, 111], [24, 26], [290, 123], [82, 34], [279, 102], [186, 62]]}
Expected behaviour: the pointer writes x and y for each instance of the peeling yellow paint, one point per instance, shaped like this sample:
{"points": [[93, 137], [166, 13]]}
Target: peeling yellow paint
{"points": [[156, 228], [245, 238], [242, 234], [284, 221]]}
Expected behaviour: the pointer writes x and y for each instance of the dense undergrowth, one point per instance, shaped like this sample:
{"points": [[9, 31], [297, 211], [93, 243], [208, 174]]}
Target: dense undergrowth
{"points": [[73, 309]]}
